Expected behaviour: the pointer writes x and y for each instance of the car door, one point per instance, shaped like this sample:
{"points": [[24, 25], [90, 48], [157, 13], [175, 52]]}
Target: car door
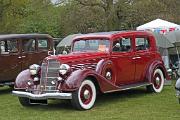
{"points": [[34, 50], [29, 53], [10, 64], [143, 56], [44, 46], [122, 54]]}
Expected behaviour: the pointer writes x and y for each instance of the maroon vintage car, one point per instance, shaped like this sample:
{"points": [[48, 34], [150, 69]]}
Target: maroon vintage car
{"points": [[18, 51], [105, 62]]}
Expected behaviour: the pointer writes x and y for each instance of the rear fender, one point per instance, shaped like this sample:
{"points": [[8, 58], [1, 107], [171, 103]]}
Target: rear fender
{"points": [[154, 65]]}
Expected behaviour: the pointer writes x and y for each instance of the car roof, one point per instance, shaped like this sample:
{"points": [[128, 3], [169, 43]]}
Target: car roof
{"points": [[110, 34], [14, 36]]}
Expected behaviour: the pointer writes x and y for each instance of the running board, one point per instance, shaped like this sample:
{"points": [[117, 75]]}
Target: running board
{"points": [[6, 83], [127, 87]]}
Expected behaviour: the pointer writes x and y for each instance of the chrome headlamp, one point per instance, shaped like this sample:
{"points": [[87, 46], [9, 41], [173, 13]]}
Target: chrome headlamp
{"points": [[33, 69], [64, 69]]}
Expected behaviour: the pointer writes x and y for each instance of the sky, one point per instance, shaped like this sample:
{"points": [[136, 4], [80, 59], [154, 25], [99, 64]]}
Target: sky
{"points": [[54, 1]]}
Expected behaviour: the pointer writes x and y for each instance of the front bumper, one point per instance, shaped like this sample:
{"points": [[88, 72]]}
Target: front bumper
{"points": [[43, 96]]}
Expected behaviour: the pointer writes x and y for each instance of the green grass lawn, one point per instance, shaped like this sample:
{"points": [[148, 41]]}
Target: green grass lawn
{"points": [[134, 104]]}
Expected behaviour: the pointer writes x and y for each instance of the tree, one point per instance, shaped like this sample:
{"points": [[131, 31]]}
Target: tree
{"points": [[108, 8]]}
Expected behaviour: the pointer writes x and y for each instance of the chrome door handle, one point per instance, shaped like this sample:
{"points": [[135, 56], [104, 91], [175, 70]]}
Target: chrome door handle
{"points": [[21, 57], [136, 58]]}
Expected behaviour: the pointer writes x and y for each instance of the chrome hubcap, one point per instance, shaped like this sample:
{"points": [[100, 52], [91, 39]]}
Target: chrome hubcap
{"points": [[86, 94], [157, 80]]}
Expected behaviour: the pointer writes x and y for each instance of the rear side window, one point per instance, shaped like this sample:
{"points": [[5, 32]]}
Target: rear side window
{"points": [[42, 44], [142, 43], [8, 46], [28, 45]]}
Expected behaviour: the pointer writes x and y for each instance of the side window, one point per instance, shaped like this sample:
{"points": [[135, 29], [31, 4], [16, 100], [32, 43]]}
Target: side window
{"points": [[79, 45], [28, 45], [8, 46], [42, 44], [142, 43], [122, 45]]}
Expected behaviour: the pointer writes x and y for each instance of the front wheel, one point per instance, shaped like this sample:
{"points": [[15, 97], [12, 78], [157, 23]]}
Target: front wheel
{"points": [[84, 98], [157, 81], [24, 101]]}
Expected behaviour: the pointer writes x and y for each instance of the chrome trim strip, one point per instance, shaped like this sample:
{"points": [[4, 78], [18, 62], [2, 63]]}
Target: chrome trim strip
{"points": [[43, 96], [121, 89]]}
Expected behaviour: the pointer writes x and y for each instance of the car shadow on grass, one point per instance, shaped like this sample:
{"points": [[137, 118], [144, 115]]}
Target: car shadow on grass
{"points": [[121, 96], [54, 105], [5, 90]]}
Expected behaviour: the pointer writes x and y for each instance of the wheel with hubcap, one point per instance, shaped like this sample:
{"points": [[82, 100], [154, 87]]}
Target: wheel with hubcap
{"points": [[157, 81], [84, 98]]}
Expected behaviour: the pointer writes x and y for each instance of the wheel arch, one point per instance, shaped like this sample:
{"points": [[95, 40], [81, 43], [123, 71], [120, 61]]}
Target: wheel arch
{"points": [[162, 69], [157, 64], [95, 81]]}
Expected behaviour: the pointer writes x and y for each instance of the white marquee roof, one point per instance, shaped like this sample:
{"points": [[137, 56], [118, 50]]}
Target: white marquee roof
{"points": [[158, 23]]}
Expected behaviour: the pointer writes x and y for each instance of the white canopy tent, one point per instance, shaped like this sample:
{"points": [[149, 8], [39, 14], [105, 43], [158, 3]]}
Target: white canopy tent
{"points": [[159, 24]]}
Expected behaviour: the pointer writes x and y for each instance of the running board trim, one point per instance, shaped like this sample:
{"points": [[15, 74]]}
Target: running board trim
{"points": [[127, 87]]}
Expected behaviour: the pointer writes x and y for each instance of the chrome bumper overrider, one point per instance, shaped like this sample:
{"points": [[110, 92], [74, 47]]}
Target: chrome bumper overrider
{"points": [[43, 96]]}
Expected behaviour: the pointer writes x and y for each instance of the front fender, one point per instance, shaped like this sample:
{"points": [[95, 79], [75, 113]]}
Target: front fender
{"points": [[74, 81], [22, 79]]}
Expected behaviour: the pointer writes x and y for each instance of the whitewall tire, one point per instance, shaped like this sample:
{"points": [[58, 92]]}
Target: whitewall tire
{"points": [[85, 97], [157, 81]]}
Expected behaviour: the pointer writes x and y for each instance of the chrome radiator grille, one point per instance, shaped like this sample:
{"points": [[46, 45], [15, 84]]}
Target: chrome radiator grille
{"points": [[49, 74]]}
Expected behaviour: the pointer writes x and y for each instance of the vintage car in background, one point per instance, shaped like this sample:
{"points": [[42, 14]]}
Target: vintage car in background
{"points": [[18, 51], [99, 62]]}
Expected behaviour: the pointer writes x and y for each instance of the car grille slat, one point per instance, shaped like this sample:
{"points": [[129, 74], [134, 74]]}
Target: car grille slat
{"points": [[49, 74], [91, 66]]}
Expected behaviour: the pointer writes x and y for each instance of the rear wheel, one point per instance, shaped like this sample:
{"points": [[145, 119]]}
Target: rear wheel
{"points": [[84, 98], [157, 81], [24, 101]]}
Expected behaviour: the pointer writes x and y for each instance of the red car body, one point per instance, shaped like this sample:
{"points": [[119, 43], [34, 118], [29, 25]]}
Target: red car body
{"points": [[130, 60]]}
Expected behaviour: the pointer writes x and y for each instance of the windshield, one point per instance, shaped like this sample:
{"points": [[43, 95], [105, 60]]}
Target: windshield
{"points": [[91, 45]]}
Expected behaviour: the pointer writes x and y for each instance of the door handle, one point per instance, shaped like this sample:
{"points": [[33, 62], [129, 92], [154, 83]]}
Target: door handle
{"points": [[134, 58], [20, 57]]}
